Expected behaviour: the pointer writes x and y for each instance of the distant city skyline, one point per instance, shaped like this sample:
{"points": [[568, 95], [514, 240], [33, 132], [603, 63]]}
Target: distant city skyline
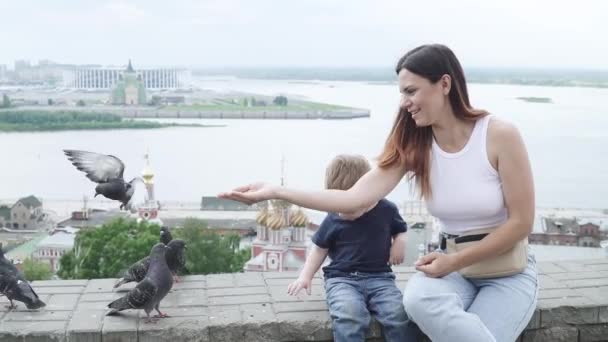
{"points": [[315, 33]]}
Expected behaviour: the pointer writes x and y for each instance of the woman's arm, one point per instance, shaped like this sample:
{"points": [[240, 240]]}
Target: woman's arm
{"points": [[518, 189], [372, 187]]}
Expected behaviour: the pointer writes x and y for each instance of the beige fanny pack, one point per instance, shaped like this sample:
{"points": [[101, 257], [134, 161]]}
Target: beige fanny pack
{"points": [[508, 263]]}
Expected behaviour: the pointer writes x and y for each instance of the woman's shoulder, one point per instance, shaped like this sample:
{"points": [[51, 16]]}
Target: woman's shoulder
{"points": [[501, 130], [503, 137]]}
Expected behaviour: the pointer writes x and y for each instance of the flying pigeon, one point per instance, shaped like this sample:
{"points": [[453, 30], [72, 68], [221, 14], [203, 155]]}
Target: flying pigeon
{"points": [[176, 260], [107, 171], [165, 235], [14, 286], [148, 293]]}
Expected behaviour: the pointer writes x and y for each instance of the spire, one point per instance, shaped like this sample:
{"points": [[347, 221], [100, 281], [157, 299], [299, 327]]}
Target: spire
{"points": [[130, 67]]}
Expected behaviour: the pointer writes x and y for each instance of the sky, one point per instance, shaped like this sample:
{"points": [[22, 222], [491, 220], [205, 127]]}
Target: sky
{"points": [[310, 33]]}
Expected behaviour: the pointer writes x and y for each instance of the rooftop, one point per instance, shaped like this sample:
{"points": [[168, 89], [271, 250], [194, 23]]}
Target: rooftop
{"points": [[573, 306]]}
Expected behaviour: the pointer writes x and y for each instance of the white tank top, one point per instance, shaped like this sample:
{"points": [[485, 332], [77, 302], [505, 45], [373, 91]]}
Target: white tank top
{"points": [[466, 189]]}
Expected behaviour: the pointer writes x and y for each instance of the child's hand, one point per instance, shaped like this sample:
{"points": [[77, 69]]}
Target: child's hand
{"points": [[397, 250], [298, 285]]}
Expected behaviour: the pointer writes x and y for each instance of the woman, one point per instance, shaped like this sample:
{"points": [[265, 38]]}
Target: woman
{"points": [[473, 172]]}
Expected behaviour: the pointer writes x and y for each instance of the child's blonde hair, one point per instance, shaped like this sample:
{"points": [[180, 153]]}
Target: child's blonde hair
{"points": [[345, 170]]}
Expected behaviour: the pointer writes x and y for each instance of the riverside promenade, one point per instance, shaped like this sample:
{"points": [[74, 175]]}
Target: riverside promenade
{"points": [[573, 306]]}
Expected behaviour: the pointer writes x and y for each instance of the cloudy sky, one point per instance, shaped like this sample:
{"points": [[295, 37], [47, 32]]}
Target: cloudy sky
{"points": [[310, 33]]}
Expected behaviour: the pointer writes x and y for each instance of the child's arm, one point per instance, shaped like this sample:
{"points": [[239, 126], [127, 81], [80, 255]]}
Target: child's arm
{"points": [[398, 249], [312, 264]]}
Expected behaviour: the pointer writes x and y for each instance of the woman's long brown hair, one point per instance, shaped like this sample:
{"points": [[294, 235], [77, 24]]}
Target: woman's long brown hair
{"points": [[409, 145]]}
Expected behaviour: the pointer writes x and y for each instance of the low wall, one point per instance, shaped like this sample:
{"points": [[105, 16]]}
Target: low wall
{"points": [[573, 306]]}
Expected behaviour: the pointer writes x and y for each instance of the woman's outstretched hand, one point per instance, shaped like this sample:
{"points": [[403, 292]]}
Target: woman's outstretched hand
{"points": [[251, 193]]}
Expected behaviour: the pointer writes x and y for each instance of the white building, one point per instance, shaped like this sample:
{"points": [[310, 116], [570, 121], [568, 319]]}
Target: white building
{"points": [[107, 77], [53, 247]]}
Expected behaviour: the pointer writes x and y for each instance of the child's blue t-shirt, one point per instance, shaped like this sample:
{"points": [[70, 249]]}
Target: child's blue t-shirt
{"points": [[361, 245]]}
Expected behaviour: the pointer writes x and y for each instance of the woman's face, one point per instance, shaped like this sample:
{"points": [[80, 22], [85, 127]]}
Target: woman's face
{"points": [[424, 100]]}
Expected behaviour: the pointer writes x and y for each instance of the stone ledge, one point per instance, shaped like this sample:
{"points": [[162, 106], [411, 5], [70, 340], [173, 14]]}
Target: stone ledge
{"points": [[573, 306]]}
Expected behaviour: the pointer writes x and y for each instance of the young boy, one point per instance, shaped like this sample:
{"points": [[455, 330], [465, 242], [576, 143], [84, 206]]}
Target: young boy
{"points": [[359, 281]]}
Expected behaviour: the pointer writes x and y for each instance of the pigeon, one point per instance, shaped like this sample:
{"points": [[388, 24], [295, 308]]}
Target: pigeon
{"points": [[176, 260], [14, 286], [176, 257], [107, 171], [165, 235], [149, 292], [136, 272], [16, 289]]}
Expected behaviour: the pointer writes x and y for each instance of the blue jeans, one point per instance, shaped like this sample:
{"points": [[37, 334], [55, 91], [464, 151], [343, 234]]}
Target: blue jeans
{"points": [[454, 308], [354, 299]]}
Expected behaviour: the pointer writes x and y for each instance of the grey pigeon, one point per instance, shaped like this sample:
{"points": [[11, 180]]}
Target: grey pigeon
{"points": [[136, 272], [16, 289], [176, 260], [149, 292], [107, 171], [165, 235], [14, 286], [176, 257]]}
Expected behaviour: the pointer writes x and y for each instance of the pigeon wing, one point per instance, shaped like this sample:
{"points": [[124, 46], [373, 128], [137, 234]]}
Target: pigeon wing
{"points": [[142, 294], [99, 168]]}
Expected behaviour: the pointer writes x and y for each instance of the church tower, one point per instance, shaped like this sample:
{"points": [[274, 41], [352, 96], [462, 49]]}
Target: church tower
{"points": [[149, 209]]}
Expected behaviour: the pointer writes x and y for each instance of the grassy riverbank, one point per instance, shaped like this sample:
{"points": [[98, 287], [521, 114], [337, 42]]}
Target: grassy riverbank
{"points": [[35, 121]]}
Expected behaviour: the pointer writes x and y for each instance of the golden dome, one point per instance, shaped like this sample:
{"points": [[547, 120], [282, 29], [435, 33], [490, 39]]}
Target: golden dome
{"points": [[298, 218], [276, 221], [147, 174], [262, 217]]}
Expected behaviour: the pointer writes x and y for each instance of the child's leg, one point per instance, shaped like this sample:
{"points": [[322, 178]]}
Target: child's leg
{"points": [[350, 318], [386, 304]]}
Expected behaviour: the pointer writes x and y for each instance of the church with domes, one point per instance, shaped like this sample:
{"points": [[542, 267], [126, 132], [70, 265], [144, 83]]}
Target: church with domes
{"points": [[280, 244]]}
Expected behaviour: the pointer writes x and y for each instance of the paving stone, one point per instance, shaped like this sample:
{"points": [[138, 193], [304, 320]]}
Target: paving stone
{"points": [[569, 315], [59, 290], [535, 320], [603, 315], [100, 285], [553, 334], [221, 281], [62, 302], [234, 300], [546, 282], [37, 316], [249, 279], [59, 283], [34, 331], [85, 326], [549, 268], [593, 332], [300, 306], [175, 329], [237, 291], [305, 326], [120, 328]]}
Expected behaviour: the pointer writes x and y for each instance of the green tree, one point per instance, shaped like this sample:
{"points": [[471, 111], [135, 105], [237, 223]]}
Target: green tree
{"points": [[50, 102], [208, 252], [81, 103], [280, 100], [245, 102], [35, 270], [107, 251], [6, 101]]}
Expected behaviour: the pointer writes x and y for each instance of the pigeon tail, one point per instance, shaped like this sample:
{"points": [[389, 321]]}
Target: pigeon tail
{"points": [[121, 282], [118, 305], [37, 304]]}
